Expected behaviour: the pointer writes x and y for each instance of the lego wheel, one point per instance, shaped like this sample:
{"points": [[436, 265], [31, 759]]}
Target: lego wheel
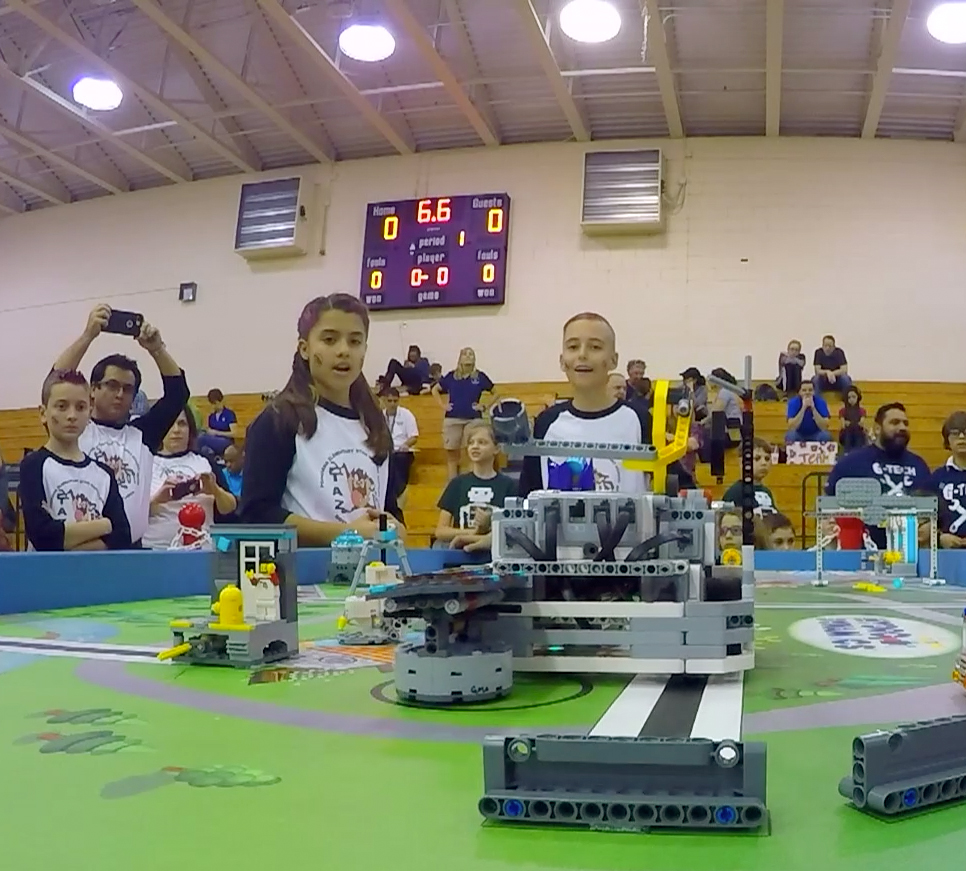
{"points": [[672, 485], [731, 557]]}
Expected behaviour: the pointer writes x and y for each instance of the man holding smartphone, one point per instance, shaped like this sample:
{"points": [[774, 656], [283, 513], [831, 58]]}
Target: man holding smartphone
{"points": [[127, 448]]}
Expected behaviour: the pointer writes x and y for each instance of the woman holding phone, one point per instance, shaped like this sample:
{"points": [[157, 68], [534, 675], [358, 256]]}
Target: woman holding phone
{"points": [[179, 476]]}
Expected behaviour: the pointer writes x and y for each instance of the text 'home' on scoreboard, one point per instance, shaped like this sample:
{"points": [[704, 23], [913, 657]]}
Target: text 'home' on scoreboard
{"points": [[436, 252]]}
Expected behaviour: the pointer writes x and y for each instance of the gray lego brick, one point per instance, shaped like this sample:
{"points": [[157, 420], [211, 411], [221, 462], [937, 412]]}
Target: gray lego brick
{"points": [[742, 608], [608, 637], [617, 812], [589, 450], [646, 781], [646, 568]]}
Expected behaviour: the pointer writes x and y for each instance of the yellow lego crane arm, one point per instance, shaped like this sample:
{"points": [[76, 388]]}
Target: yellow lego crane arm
{"points": [[667, 452]]}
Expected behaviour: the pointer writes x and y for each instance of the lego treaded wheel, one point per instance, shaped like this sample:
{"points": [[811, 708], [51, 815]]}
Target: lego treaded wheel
{"points": [[731, 556]]}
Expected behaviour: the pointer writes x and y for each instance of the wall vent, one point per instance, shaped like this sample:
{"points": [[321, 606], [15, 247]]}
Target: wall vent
{"points": [[273, 219], [622, 192]]}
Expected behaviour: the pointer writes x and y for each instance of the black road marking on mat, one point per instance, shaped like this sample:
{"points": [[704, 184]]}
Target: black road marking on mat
{"points": [[378, 692], [673, 715]]}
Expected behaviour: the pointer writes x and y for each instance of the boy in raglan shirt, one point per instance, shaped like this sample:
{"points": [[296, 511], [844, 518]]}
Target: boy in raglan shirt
{"points": [[127, 448], [69, 501], [948, 483], [587, 358], [888, 460]]}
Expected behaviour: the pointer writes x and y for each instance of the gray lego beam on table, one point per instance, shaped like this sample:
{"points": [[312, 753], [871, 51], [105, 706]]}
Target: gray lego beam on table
{"points": [[910, 767], [584, 450], [624, 783], [583, 568]]}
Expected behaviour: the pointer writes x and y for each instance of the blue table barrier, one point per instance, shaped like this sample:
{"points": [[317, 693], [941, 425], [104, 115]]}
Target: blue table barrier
{"points": [[45, 581]]}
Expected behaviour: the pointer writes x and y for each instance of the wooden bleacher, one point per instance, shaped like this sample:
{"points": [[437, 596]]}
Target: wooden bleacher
{"points": [[928, 404]]}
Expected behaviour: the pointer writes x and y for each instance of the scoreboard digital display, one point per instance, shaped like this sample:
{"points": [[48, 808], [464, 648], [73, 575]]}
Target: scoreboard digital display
{"points": [[435, 252]]}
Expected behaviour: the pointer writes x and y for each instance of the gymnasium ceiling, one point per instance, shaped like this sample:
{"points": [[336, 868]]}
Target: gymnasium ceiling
{"points": [[215, 87]]}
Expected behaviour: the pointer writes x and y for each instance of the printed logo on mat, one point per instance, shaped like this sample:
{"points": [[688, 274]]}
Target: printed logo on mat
{"points": [[875, 636]]}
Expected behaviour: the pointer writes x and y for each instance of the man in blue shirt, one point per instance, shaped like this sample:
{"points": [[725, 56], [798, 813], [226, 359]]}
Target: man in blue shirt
{"points": [[221, 424], [948, 483], [808, 416], [888, 460]]}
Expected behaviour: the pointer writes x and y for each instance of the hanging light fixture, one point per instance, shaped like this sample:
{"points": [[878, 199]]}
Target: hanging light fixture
{"points": [[100, 95], [369, 42], [947, 23], [591, 21]]}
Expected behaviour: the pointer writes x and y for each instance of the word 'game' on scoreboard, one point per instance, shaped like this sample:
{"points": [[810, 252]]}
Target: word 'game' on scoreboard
{"points": [[441, 251]]}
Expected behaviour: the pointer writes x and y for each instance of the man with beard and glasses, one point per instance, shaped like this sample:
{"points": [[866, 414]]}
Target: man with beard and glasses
{"points": [[888, 459]]}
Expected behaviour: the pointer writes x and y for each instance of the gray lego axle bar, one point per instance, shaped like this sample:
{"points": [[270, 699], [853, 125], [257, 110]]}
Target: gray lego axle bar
{"points": [[584, 450], [630, 784]]}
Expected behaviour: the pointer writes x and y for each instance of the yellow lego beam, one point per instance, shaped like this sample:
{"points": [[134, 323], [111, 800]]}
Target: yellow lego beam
{"points": [[666, 453]]}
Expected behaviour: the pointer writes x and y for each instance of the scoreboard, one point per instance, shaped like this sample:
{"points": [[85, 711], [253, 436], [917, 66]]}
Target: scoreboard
{"points": [[435, 252]]}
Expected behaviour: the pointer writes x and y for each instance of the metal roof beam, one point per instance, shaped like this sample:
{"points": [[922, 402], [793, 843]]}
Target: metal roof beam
{"points": [[306, 42], [150, 99], [658, 54], [404, 17], [561, 90], [184, 41], [37, 188], [774, 37], [888, 52]]}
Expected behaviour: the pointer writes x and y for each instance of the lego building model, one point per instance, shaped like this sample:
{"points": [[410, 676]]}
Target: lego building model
{"points": [[363, 620], [914, 766], [900, 515], [624, 784], [254, 602], [345, 558]]}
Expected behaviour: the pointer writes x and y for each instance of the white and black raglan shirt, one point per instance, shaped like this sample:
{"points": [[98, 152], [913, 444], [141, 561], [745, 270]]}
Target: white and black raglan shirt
{"points": [[622, 423], [55, 492], [128, 449], [163, 525], [331, 477]]}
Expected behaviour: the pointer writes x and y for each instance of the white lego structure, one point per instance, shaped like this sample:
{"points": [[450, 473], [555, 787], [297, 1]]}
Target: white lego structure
{"points": [[362, 620], [260, 596]]}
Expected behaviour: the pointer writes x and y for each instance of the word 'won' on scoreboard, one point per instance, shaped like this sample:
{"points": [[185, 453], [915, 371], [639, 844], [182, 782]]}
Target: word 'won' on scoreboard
{"points": [[441, 251]]}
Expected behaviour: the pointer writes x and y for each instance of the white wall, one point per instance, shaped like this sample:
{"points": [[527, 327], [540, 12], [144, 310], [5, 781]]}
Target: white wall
{"points": [[776, 238]]}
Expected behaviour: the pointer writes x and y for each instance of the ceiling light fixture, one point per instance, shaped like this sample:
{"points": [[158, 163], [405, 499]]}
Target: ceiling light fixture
{"points": [[947, 23], [369, 43], [100, 95], [590, 21]]}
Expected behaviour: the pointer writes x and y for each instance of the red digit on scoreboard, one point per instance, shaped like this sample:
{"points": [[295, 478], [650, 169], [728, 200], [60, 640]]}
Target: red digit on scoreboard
{"points": [[442, 276], [417, 277]]}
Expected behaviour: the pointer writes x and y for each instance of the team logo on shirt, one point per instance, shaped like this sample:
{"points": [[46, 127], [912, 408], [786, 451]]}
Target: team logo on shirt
{"points": [[75, 501], [895, 478], [121, 462], [954, 495], [352, 486]]}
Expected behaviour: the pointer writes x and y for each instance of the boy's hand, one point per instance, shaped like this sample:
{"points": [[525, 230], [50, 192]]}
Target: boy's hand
{"points": [[97, 320], [483, 542], [947, 539], [478, 406], [150, 339], [464, 541]]}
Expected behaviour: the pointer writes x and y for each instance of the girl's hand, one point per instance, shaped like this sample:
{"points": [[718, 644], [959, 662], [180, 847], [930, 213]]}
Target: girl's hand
{"points": [[164, 495], [209, 486]]}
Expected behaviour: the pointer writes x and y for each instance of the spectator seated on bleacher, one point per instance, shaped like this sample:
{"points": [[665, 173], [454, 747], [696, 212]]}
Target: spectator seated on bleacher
{"points": [[8, 516], [638, 385], [475, 493], [808, 417], [765, 501], [791, 365], [234, 462], [618, 385], [413, 373], [831, 368], [222, 425], [852, 435], [694, 381]]}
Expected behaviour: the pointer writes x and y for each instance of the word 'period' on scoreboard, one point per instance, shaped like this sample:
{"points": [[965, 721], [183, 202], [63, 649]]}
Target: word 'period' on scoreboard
{"points": [[436, 252]]}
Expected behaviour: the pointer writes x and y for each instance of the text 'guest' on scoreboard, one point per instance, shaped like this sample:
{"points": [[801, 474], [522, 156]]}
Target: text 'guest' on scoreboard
{"points": [[435, 252]]}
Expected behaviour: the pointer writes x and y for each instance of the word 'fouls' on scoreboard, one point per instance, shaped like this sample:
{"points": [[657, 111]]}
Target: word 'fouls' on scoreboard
{"points": [[441, 251]]}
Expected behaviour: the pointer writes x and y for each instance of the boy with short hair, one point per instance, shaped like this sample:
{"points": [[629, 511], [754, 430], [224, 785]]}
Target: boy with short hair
{"points": [[948, 483], [221, 426], [70, 501], [775, 532], [470, 498], [761, 465], [587, 358]]}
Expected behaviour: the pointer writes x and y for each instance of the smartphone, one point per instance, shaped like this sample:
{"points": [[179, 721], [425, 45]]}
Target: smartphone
{"points": [[124, 323], [185, 488]]}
